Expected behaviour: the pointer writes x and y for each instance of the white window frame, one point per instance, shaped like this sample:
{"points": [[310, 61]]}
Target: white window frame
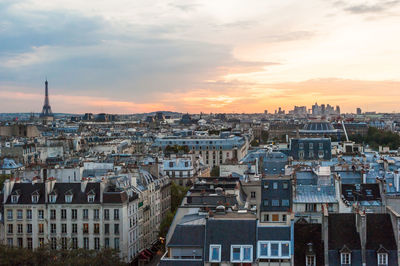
{"points": [[68, 198], [53, 198], [14, 199], [35, 198], [91, 198], [280, 243], [383, 259], [313, 258], [343, 259], [242, 247], [219, 253]]}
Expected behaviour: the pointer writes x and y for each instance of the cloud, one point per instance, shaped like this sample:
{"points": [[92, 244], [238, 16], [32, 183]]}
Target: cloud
{"points": [[290, 36], [368, 8]]}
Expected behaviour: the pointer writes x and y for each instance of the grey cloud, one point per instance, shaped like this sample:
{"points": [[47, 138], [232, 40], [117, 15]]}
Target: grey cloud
{"points": [[290, 36], [364, 8]]}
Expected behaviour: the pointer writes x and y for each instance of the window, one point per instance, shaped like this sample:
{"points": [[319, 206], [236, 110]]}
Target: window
{"points": [[320, 154], [116, 229], [275, 203], [275, 185], [382, 259], [29, 228], [74, 228], [68, 198], [106, 228], [301, 146], [29, 242], [215, 253], [116, 243], [85, 214], [311, 207], [53, 241], [53, 228], [275, 217], [40, 214], [96, 243], [91, 198], [241, 253], [14, 199], [86, 243], [96, 214], [96, 229], [311, 146], [285, 202], [64, 242], [301, 155], [116, 214], [265, 202], [74, 243], [10, 229], [266, 217], [41, 228], [19, 214], [52, 214], [20, 229], [41, 242], [86, 228], [106, 242], [285, 185], [310, 260], [253, 194], [64, 228], [63, 214], [345, 258], [320, 145], [29, 214], [10, 215], [20, 242], [283, 217], [35, 198], [52, 198], [74, 214], [311, 154], [273, 249]]}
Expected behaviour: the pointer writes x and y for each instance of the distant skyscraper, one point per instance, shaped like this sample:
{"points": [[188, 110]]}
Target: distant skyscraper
{"points": [[46, 114], [338, 109], [359, 111]]}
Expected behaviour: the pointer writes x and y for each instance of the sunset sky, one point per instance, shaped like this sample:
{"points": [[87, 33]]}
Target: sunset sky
{"points": [[132, 56]]}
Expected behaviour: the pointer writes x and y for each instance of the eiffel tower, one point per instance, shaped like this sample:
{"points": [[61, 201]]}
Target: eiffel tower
{"points": [[46, 111]]}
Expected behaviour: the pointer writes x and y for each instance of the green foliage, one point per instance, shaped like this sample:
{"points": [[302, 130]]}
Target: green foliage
{"points": [[214, 171], [166, 223], [67, 257], [254, 143], [213, 132], [177, 149], [378, 137], [177, 194], [264, 136]]}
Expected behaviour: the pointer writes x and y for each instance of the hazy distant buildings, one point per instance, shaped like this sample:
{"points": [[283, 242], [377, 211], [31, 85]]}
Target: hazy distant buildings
{"points": [[359, 112]]}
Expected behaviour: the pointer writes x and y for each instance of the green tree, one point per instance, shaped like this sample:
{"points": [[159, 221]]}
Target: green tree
{"points": [[254, 143], [214, 171]]}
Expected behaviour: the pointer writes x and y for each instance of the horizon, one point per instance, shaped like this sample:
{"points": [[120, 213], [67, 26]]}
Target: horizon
{"points": [[129, 57]]}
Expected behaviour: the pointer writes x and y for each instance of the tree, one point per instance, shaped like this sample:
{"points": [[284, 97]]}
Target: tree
{"points": [[254, 143], [264, 136], [214, 171], [166, 223]]}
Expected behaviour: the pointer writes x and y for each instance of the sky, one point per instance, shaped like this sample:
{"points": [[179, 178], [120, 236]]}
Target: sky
{"points": [[134, 56]]}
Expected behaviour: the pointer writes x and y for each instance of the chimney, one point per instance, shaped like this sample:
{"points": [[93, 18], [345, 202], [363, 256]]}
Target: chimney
{"points": [[7, 188], [325, 237], [102, 188], [361, 224], [83, 184], [364, 176], [397, 180]]}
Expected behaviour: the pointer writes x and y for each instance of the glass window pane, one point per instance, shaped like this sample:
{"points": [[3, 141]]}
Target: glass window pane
{"points": [[285, 249], [236, 254], [215, 253], [275, 250], [247, 254], [263, 249]]}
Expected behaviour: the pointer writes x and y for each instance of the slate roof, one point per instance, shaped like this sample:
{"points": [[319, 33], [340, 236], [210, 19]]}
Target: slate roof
{"points": [[315, 194], [273, 233], [380, 232], [26, 190], [342, 231], [188, 235], [361, 192], [304, 234], [230, 232]]}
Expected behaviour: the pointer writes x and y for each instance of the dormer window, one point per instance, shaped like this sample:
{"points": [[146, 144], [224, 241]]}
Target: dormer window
{"points": [[52, 198], [91, 198], [35, 198], [68, 198], [14, 198], [345, 258], [382, 259]]}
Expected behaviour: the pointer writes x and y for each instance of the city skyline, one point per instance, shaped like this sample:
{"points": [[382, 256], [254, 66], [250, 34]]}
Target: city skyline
{"points": [[182, 56]]}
